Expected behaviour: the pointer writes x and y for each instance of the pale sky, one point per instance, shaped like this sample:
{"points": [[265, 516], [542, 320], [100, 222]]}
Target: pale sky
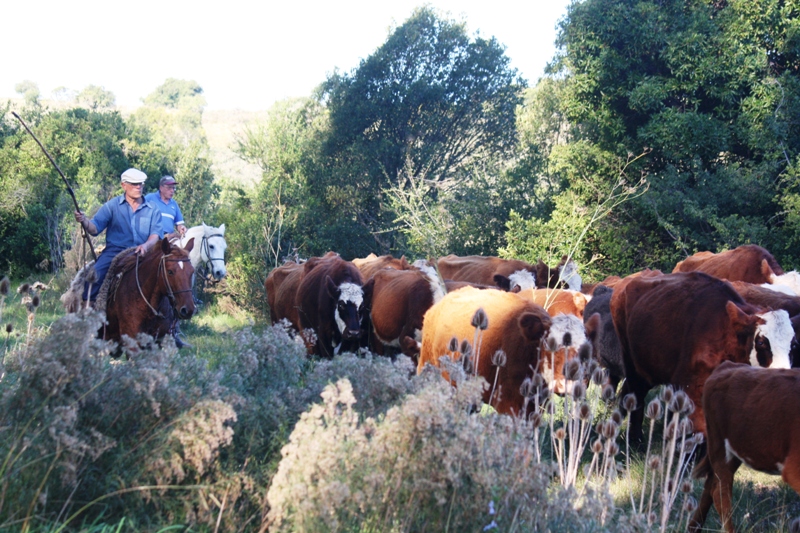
{"points": [[245, 54]]}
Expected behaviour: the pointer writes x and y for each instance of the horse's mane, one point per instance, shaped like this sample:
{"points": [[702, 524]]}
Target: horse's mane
{"points": [[122, 262]]}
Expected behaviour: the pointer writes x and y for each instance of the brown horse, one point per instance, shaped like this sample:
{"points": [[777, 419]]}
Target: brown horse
{"points": [[148, 293]]}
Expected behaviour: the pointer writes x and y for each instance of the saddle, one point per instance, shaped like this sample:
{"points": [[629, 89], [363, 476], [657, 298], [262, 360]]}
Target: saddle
{"points": [[122, 263]]}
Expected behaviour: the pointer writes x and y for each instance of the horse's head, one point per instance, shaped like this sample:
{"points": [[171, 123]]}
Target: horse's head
{"points": [[176, 277], [212, 250]]}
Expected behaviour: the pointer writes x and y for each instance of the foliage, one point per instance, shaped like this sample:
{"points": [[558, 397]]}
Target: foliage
{"points": [[29, 91], [707, 91], [95, 97], [428, 104]]}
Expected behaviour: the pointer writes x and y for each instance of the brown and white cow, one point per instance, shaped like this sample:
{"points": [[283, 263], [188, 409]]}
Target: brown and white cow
{"points": [[516, 325], [373, 263], [676, 328], [752, 417], [281, 286], [750, 263], [399, 301], [507, 274], [557, 301], [330, 302]]}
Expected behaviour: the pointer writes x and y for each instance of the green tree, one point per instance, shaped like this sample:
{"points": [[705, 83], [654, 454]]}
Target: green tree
{"points": [[95, 97], [29, 90], [429, 104], [708, 91]]}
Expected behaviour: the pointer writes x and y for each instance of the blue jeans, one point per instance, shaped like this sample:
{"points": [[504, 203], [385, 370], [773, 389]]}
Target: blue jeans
{"points": [[101, 267]]}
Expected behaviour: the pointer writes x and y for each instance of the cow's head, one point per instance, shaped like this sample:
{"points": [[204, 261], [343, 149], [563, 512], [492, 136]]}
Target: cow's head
{"points": [[772, 334], [350, 307], [518, 281], [565, 340]]}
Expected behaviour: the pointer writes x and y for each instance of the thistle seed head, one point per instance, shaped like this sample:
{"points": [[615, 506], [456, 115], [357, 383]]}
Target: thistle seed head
{"points": [[613, 449], [687, 427], [452, 345], [572, 370], [667, 394], [499, 358], [24, 288], [654, 410], [552, 344], [598, 376], [610, 430], [671, 429], [617, 417], [591, 367], [686, 486], [5, 286], [689, 504], [527, 389], [536, 419], [480, 320], [538, 382], [560, 434], [629, 402], [585, 352], [465, 347], [35, 301], [654, 463], [609, 393], [597, 446], [584, 412], [578, 391], [678, 403], [9, 328]]}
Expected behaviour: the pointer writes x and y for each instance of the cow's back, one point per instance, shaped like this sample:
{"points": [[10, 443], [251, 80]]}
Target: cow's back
{"points": [[557, 301], [373, 263], [479, 269], [750, 263], [507, 314]]}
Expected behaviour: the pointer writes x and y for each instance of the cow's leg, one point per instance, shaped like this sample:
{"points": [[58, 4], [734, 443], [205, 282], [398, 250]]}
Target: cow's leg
{"points": [[791, 470], [636, 385], [723, 490], [706, 500]]}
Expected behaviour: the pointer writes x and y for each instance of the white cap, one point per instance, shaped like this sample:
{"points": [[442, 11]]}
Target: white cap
{"points": [[133, 175]]}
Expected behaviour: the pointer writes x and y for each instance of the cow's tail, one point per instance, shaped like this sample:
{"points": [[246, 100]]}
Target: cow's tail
{"points": [[703, 468]]}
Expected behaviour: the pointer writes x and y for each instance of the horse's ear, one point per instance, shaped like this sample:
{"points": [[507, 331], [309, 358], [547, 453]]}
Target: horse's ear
{"points": [[222, 229], [189, 245], [166, 247]]}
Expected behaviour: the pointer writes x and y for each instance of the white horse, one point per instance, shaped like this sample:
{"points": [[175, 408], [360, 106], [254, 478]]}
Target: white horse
{"points": [[208, 254]]}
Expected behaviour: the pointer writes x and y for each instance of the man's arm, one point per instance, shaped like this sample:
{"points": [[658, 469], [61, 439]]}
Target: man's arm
{"points": [[87, 224], [151, 241]]}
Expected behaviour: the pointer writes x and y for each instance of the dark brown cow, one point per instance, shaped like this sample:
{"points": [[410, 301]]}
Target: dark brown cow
{"points": [[752, 417], [281, 286], [676, 328], [515, 325], [399, 300], [373, 263], [330, 302], [750, 263], [508, 274]]}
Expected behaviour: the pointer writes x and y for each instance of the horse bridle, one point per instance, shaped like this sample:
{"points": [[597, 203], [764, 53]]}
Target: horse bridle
{"points": [[162, 267], [209, 262]]}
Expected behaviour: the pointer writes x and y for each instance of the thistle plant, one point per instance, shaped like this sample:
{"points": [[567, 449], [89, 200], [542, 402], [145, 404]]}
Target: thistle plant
{"points": [[5, 286]]}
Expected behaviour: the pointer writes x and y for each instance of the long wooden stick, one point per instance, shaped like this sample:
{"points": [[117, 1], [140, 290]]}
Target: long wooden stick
{"points": [[66, 182]]}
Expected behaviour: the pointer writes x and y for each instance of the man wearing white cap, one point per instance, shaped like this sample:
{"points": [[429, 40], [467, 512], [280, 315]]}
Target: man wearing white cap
{"points": [[171, 216], [129, 220]]}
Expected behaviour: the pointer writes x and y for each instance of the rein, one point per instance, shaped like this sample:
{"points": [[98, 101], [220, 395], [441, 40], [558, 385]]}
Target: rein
{"points": [[162, 267], [208, 263]]}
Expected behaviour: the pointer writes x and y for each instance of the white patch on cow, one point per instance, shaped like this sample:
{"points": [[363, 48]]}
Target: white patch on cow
{"points": [[789, 279], [783, 289], [523, 279], [777, 328], [433, 278], [563, 324], [348, 293], [336, 350], [395, 343], [569, 275], [730, 454]]}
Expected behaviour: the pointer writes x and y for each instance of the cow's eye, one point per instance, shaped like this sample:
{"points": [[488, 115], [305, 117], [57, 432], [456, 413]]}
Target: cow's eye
{"points": [[760, 342]]}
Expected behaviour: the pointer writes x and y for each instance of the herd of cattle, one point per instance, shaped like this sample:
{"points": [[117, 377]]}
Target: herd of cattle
{"points": [[648, 328]]}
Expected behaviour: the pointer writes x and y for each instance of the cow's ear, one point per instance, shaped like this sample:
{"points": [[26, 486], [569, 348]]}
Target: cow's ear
{"points": [[404, 265], [333, 290], [767, 271], [579, 299], [592, 326], [166, 247], [367, 289], [502, 282], [742, 322], [533, 326]]}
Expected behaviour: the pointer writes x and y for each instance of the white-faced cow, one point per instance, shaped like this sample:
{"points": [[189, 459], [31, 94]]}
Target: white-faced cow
{"points": [[752, 417], [399, 300], [677, 328], [750, 263], [330, 301], [516, 326]]}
